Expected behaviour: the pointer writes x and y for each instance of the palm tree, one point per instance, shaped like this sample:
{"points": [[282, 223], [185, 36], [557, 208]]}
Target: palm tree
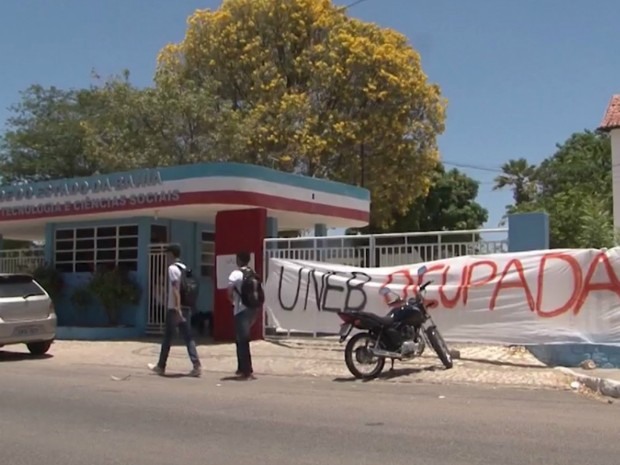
{"points": [[520, 176]]}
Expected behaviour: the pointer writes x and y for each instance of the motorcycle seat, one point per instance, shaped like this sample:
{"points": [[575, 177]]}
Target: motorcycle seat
{"points": [[382, 320]]}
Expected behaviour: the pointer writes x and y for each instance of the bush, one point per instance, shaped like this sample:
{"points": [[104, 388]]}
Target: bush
{"points": [[50, 279], [113, 288]]}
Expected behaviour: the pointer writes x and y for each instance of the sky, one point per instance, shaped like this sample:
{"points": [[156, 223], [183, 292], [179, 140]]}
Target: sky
{"points": [[519, 76]]}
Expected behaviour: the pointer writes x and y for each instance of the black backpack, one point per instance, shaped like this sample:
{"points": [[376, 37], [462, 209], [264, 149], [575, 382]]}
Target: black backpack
{"points": [[252, 295], [189, 287]]}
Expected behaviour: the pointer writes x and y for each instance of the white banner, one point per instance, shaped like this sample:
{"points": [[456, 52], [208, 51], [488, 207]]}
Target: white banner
{"points": [[568, 295]]}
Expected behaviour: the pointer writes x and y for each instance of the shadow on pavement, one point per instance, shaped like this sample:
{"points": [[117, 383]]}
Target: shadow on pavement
{"points": [[21, 356], [501, 363], [389, 374], [176, 375], [178, 341], [399, 372], [236, 378], [297, 346], [173, 375]]}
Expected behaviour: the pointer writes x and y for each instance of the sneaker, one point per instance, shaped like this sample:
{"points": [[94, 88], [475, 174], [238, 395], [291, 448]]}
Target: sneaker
{"points": [[196, 372], [156, 369]]}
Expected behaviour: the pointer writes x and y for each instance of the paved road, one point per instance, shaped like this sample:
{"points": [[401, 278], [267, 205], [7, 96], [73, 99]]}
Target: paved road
{"points": [[53, 415]]}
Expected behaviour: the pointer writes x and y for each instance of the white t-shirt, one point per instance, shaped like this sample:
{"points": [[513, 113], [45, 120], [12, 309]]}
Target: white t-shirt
{"points": [[235, 279], [174, 277]]}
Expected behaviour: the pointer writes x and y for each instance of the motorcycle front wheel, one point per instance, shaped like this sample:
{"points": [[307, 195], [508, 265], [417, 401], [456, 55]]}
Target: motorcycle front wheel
{"points": [[357, 352], [439, 346]]}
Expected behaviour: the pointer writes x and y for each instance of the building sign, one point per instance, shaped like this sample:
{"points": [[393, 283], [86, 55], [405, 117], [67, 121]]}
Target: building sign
{"points": [[95, 194], [147, 178]]}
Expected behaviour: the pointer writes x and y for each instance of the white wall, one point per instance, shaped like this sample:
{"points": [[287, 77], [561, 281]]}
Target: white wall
{"points": [[615, 159]]}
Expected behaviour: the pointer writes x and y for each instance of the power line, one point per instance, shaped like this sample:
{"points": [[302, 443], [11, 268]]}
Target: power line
{"points": [[356, 2], [472, 166]]}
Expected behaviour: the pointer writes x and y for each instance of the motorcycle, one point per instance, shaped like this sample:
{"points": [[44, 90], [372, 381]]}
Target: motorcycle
{"points": [[400, 335]]}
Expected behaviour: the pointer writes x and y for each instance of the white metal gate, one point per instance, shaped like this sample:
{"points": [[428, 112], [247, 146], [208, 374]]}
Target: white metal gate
{"points": [[157, 290], [21, 260], [378, 250]]}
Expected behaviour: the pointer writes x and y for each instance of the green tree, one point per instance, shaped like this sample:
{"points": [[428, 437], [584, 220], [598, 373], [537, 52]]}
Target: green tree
{"points": [[597, 225], [45, 138], [113, 126], [317, 93], [574, 187], [582, 163], [169, 124], [12, 244], [449, 206], [519, 175]]}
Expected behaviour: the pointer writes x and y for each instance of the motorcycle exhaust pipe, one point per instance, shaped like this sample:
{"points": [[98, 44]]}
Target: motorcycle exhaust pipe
{"points": [[386, 354]]}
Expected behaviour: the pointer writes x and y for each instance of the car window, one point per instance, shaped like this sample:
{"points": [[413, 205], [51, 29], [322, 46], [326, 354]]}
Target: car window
{"points": [[18, 286]]}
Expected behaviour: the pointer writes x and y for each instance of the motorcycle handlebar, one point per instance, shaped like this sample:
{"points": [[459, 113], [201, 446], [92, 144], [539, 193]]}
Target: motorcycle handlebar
{"points": [[423, 286], [399, 299]]}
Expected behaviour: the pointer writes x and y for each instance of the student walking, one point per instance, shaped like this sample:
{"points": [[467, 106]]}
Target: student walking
{"points": [[246, 295], [182, 294]]}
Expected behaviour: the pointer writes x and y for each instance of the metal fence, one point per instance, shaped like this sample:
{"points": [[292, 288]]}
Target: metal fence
{"points": [[381, 250], [158, 289], [21, 260]]}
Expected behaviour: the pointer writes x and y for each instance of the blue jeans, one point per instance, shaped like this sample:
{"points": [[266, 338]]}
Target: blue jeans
{"points": [[243, 324], [172, 323]]}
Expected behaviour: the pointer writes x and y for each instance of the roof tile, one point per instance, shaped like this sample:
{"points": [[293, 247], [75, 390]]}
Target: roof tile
{"points": [[611, 120]]}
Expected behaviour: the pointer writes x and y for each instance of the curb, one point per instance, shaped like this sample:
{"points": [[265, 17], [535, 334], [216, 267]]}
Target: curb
{"points": [[604, 386]]}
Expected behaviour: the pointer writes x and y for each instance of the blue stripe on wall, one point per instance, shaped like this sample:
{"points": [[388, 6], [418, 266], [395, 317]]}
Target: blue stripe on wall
{"points": [[174, 173]]}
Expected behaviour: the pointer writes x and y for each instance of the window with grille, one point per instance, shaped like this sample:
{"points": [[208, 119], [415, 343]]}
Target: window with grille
{"points": [[207, 254], [87, 249]]}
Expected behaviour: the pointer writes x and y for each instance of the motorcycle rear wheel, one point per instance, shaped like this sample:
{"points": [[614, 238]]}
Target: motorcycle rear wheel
{"points": [[363, 356], [440, 347]]}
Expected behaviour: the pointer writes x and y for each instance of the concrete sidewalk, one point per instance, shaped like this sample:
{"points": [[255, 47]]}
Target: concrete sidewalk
{"points": [[321, 357], [601, 380], [612, 374]]}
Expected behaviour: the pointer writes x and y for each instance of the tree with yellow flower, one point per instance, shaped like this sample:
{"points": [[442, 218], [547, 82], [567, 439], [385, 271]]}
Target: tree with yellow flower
{"points": [[314, 91]]}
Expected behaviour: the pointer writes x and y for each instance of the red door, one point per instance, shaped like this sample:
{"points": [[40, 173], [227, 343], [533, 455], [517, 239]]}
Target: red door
{"points": [[236, 231]]}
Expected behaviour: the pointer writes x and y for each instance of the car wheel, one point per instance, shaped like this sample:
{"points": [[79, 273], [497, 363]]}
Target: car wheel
{"points": [[39, 348]]}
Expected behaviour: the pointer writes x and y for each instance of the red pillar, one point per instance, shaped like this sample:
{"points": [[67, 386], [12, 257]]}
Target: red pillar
{"points": [[236, 231]]}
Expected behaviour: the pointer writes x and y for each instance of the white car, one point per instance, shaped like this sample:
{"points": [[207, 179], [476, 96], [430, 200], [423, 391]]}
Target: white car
{"points": [[27, 313]]}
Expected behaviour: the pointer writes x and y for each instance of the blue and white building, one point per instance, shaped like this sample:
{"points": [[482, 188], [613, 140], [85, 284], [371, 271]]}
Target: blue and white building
{"points": [[125, 218]]}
